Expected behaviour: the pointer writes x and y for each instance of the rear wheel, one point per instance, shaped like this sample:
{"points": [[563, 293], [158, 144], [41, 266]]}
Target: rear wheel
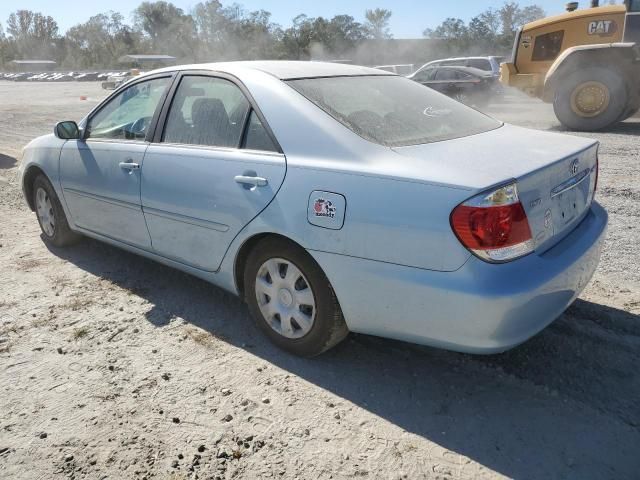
{"points": [[291, 299], [591, 99], [51, 217]]}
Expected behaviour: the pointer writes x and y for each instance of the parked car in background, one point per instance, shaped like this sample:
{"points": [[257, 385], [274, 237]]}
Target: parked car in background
{"points": [[404, 69], [468, 85], [114, 81], [331, 198], [487, 64]]}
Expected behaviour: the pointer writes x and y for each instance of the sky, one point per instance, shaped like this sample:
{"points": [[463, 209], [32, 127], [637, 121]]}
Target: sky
{"points": [[410, 17]]}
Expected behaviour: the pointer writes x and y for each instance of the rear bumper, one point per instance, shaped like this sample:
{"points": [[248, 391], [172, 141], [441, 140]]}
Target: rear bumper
{"points": [[480, 308]]}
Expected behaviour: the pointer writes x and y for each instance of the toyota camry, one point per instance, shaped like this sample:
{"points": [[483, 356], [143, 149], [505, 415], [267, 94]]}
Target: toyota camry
{"points": [[331, 198]]}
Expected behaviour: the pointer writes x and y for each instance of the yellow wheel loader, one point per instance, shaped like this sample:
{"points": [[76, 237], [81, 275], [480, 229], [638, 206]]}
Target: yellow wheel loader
{"points": [[586, 62]]}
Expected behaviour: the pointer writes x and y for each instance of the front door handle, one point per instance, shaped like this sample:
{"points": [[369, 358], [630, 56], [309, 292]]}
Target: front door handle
{"points": [[251, 181], [130, 165]]}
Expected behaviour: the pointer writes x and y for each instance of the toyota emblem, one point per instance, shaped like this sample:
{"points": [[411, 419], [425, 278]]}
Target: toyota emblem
{"points": [[574, 167]]}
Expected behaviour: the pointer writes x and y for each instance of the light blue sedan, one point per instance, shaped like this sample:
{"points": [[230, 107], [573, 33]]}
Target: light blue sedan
{"points": [[331, 198]]}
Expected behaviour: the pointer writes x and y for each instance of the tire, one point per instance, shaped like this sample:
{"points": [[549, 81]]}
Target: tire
{"points": [[51, 217], [566, 108], [629, 113], [326, 327]]}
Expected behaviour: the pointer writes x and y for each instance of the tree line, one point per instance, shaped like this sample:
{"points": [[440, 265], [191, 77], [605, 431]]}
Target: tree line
{"points": [[214, 32]]}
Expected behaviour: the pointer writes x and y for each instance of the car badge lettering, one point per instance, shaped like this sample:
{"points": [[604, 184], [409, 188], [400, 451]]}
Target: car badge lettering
{"points": [[573, 168], [602, 27], [324, 208]]}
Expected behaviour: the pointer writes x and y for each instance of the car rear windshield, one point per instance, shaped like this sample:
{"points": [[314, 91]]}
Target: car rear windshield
{"points": [[393, 111]]}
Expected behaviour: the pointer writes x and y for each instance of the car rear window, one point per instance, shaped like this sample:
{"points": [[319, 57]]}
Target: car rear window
{"points": [[393, 111]]}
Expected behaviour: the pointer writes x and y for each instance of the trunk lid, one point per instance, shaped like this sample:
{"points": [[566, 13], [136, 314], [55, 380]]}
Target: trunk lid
{"points": [[555, 173]]}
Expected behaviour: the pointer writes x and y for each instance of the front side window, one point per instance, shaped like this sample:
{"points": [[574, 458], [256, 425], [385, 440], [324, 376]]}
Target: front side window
{"points": [[393, 111], [206, 111], [548, 46], [425, 75], [128, 115]]}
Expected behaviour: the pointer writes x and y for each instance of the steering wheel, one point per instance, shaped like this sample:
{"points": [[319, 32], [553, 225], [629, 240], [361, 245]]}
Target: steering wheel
{"points": [[139, 127]]}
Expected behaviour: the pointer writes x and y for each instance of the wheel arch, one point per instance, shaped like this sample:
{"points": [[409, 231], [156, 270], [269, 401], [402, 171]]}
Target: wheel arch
{"points": [[245, 250], [619, 56], [28, 179]]}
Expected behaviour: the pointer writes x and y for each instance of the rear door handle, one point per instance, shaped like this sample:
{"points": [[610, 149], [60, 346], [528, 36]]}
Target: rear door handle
{"points": [[130, 165], [251, 181]]}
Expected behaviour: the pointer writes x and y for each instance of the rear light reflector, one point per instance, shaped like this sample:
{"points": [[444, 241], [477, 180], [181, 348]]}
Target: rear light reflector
{"points": [[494, 225], [595, 181]]}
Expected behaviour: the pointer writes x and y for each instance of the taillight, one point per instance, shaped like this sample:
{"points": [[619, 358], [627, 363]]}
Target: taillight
{"points": [[494, 225]]}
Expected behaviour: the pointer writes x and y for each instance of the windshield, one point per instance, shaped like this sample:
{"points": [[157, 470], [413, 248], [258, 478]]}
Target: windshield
{"points": [[393, 111]]}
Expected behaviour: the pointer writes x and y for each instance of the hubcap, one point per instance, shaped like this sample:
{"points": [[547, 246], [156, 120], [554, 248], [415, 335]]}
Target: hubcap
{"points": [[285, 298], [461, 97], [590, 99], [44, 209]]}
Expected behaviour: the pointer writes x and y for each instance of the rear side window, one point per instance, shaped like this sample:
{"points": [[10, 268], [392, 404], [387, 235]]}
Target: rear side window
{"points": [[257, 137], [393, 111], [446, 74], [206, 111], [548, 46]]}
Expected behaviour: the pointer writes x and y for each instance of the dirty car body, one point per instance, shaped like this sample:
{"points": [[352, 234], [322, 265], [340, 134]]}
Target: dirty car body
{"points": [[433, 223]]}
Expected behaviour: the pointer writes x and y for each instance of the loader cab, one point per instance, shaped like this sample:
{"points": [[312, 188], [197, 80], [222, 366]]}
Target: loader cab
{"points": [[541, 42], [632, 22]]}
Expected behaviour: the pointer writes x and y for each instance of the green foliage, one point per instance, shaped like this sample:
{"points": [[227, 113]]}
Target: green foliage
{"points": [[214, 32], [492, 31], [321, 38], [377, 24]]}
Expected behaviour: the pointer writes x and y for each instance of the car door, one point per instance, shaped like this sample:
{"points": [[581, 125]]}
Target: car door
{"points": [[209, 172], [445, 81], [466, 83], [100, 173]]}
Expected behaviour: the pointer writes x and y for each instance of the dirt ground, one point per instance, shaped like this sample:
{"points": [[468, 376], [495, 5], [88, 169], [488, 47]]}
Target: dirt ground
{"points": [[112, 366]]}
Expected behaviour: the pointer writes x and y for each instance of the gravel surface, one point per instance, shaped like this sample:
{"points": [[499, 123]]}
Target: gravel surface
{"points": [[112, 366]]}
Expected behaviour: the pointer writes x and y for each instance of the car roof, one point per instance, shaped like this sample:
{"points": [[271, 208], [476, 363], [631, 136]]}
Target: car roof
{"points": [[472, 70], [283, 69], [461, 58]]}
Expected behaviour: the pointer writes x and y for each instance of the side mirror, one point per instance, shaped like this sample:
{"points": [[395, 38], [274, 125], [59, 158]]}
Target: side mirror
{"points": [[68, 130]]}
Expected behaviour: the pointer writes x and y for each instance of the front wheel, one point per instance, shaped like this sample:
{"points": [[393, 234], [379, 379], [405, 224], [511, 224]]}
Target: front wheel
{"points": [[51, 217], [291, 299], [591, 99]]}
